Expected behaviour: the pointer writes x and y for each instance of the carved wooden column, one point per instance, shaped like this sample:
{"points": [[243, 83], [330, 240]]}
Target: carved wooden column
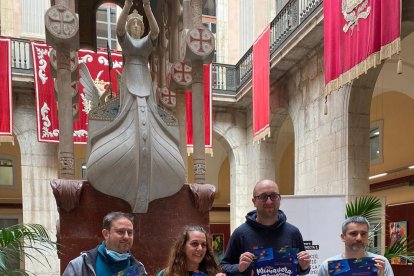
{"points": [[175, 26], [62, 33], [199, 50]]}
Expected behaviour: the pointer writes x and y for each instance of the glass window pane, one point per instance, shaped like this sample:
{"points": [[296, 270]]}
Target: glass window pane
{"points": [[209, 7], [374, 143], [6, 172]]}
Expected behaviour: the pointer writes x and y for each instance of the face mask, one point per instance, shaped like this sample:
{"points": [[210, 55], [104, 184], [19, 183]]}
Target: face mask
{"points": [[118, 256]]}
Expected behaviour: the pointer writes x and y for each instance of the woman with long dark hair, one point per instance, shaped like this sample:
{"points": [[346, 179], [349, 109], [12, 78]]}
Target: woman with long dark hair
{"points": [[192, 255]]}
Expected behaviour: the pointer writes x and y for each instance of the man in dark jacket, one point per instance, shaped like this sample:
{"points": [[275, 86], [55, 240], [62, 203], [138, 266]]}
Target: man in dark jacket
{"points": [[266, 227], [113, 254]]}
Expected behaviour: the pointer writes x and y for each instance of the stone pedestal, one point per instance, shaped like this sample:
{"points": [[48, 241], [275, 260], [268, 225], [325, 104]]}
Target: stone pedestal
{"points": [[80, 228]]}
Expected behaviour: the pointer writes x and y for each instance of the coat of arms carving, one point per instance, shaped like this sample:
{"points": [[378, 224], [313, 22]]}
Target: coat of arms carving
{"points": [[353, 10]]}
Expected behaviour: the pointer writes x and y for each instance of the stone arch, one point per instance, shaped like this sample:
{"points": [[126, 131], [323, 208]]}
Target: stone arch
{"points": [[229, 130], [283, 132], [38, 167]]}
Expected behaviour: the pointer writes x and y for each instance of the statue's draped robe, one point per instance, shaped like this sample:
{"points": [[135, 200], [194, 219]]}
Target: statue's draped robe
{"points": [[136, 156]]}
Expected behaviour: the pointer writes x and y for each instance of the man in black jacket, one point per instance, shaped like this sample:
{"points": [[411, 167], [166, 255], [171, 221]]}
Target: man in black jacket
{"points": [[266, 227]]}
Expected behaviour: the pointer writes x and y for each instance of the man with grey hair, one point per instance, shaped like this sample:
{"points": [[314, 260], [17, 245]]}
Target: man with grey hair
{"points": [[113, 254], [355, 237]]}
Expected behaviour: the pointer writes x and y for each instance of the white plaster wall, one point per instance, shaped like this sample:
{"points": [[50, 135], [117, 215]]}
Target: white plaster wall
{"points": [[38, 161]]}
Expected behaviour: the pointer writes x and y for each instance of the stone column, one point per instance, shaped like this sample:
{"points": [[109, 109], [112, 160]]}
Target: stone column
{"points": [[65, 115], [198, 49], [197, 88], [174, 29], [62, 33]]}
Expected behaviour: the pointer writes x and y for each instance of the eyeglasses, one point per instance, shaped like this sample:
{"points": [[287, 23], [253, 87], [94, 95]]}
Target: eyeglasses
{"points": [[122, 231], [263, 197], [196, 244]]}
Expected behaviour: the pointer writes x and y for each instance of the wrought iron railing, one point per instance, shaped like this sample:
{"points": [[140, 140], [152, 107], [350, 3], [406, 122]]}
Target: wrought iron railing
{"points": [[227, 79], [286, 22]]}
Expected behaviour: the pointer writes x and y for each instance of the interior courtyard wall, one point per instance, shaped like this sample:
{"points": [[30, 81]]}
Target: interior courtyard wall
{"points": [[321, 164], [38, 167], [230, 130]]}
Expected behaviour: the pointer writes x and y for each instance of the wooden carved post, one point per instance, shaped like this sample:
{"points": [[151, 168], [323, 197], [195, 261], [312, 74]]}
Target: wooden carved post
{"points": [[62, 33], [175, 27], [198, 50]]}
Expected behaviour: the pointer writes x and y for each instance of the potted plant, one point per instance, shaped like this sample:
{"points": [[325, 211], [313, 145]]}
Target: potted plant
{"points": [[29, 241], [370, 208]]}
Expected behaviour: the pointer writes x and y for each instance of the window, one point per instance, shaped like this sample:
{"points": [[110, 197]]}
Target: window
{"points": [[106, 16], [211, 26], [7, 172], [375, 142], [33, 25], [209, 7]]}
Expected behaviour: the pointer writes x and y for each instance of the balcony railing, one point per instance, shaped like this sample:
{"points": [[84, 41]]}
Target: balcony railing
{"points": [[227, 79], [286, 22], [21, 56]]}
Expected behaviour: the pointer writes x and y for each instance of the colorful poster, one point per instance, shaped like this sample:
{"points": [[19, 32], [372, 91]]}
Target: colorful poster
{"points": [[130, 271], [271, 262], [352, 267], [398, 231], [218, 246]]}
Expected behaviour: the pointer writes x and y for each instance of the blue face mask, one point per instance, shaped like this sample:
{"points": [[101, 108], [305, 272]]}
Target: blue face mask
{"points": [[118, 256]]}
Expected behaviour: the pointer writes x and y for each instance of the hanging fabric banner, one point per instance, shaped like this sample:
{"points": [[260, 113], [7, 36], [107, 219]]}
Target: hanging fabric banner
{"points": [[6, 109], [358, 35], [46, 102], [208, 123], [260, 84]]}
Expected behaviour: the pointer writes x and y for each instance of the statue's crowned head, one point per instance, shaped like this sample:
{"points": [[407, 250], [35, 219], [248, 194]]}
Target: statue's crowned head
{"points": [[135, 25]]}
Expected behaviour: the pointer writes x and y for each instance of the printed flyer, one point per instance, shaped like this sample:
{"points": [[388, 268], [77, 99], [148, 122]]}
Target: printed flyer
{"points": [[271, 262], [130, 271], [352, 267]]}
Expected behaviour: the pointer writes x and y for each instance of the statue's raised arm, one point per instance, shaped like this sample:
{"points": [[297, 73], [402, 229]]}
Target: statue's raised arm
{"points": [[122, 20], [154, 29]]}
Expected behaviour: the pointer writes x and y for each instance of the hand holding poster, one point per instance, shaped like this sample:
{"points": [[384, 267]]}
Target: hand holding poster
{"points": [[352, 267], [130, 271], [270, 262]]}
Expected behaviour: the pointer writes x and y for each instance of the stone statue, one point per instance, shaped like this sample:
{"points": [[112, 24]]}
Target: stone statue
{"points": [[136, 157]]}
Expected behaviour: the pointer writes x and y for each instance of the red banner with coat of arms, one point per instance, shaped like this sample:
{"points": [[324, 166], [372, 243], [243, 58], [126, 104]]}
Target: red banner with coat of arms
{"points": [[46, 102], [6, 111], [358, 35]]}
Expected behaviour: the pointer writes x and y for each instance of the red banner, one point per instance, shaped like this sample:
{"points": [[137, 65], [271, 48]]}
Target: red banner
{"points": [[358, 35], [207, 114], [46, 104], [6, 110], [261, 86]]}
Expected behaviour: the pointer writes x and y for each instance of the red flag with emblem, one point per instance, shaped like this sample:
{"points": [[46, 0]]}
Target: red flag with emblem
{"points": [[358, 35], [46, 103]]}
